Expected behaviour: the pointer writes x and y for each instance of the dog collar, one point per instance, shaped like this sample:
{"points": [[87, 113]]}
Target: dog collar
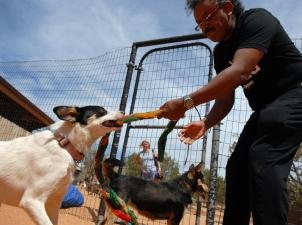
{"points": [[66, 144]]}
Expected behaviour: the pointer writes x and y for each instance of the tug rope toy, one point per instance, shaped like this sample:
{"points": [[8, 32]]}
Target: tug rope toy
{"points": [[139, 116], [161, 145], [150, 115], [117, 205]]}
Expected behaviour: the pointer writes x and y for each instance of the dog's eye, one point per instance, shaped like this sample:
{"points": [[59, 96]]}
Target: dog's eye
{"points": [[111, 123]]}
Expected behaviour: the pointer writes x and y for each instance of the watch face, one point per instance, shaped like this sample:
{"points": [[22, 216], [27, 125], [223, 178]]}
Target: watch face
{"points": [[188, 102]]}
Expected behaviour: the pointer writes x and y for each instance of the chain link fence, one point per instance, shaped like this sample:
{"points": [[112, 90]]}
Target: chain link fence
{"points": [[137, 79]]}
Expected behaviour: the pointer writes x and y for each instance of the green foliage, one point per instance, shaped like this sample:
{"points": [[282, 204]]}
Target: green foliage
{"points": [[169, 168], [132, 166], [87, 173], [220, 186], [295, 181]]}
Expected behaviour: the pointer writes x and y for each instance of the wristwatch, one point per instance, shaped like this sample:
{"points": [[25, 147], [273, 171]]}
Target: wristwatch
{"points": [[188, 102]]}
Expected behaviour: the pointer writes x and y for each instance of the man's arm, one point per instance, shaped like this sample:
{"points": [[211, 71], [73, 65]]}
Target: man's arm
{"points": [[244, 62], [195, 130], [220, 109]]}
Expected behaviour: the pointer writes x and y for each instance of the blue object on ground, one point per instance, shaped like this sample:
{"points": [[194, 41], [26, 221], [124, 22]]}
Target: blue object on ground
{"points": [[72, 198]]}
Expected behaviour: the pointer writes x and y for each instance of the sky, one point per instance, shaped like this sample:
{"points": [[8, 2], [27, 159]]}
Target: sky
{"points": [[77, 29]]}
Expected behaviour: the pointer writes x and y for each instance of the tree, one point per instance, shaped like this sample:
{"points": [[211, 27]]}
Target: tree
{"points": [[220, 186], [295, 181], [169, 168], [132, 166], [87, 172]]}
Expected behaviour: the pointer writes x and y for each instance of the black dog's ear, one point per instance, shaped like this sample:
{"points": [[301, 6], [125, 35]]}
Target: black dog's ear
{"points": [[191, 167], [67, 113], [200, 166]]}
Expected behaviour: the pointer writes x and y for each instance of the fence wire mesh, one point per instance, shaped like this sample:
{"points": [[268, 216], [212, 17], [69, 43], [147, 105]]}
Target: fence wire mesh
{"points": [[94, 81], [164, 73]]}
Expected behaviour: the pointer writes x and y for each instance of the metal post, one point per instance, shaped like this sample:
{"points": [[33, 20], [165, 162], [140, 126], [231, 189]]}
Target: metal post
{"points": [[116, 137], [124, 99], [213, 175]]}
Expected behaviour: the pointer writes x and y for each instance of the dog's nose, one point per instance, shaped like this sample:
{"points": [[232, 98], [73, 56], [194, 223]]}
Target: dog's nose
{"points": [[120, 116]]}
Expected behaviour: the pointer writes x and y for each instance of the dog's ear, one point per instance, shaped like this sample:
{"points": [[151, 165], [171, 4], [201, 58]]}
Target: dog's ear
{"points": [[82, 115], [200, 166], [89, 113], [191, 167], [67, 113]]}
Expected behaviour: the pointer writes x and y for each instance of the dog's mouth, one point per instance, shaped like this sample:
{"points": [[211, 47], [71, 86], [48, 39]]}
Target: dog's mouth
{"points": [[112, 123]]}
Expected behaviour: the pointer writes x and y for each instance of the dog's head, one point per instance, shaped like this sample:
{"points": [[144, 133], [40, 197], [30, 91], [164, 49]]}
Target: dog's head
{"points": [[95, 118], [193, 179]]}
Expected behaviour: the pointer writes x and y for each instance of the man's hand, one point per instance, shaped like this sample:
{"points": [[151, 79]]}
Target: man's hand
{"points": [[173, 109], [192, 131]]}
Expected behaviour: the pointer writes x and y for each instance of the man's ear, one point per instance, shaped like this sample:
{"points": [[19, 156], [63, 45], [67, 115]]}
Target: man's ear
{"points": [[228, 8]]}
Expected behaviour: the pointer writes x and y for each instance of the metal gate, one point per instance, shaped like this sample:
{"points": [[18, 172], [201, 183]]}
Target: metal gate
{"points": [[166, 73]]}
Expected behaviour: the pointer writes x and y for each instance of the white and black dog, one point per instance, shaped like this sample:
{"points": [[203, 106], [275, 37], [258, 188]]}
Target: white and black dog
{"points": [[36, 170]]}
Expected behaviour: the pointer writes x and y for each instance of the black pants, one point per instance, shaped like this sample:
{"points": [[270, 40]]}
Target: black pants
{"points": [[257, 171]]}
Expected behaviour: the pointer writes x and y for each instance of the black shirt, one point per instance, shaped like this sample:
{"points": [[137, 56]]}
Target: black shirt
{"points": [[279, 70]]}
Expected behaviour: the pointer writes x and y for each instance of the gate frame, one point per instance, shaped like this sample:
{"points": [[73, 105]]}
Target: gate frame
{"points": [[216, 129]]}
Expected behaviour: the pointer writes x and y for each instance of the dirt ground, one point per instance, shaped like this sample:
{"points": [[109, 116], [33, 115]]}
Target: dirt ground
{"points": [[15, 216], [88, 212]]}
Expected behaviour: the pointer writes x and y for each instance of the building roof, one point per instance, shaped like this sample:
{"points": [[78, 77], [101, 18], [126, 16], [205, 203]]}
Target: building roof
{"points": [[19, 110]]}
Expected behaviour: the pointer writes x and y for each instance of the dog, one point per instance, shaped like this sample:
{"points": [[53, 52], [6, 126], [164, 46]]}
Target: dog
{"points": [[155, 200], [35, 171]]}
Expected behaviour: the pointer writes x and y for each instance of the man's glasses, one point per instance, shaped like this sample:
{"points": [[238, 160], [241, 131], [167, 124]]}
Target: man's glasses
{"points": [[207, 18]]}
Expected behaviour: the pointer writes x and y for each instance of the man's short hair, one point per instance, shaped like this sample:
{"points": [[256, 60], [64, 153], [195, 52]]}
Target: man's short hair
{"points": [[238, 7]]}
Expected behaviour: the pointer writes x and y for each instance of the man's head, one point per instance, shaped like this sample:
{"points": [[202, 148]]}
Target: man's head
{"points": [[145, 145], [216, 18]]}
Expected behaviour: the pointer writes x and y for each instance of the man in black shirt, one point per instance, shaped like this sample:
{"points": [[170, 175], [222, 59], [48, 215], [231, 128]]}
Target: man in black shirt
{"points": [[254, 52]]}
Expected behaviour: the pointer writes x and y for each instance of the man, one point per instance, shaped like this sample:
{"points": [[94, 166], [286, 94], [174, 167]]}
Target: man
{"points": [[150, 166], [256, 53]]}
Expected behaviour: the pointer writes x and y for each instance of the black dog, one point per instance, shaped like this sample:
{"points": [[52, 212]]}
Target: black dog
{"points": [[161, 201]]}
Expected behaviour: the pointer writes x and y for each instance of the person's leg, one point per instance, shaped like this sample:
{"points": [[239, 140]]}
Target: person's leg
{"points": [[237, 206], [271, 155]]}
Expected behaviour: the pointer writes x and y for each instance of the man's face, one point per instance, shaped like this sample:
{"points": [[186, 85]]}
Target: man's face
{"points": [[214, 20]]}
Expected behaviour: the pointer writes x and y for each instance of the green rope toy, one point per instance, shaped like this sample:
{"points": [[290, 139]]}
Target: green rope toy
{"points": [[117, 205], [150, 115]]}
